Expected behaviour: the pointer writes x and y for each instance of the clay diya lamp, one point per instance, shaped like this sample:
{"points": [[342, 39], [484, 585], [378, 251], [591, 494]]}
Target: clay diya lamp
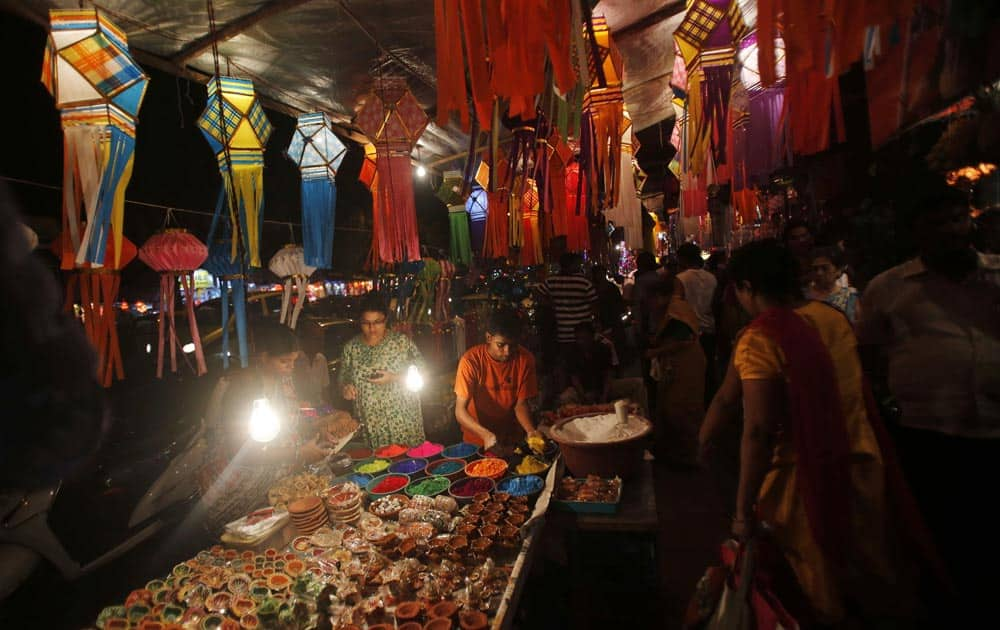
{"points": [[481, 497], [242, 605], [481, 545], [438, 543], [517, 508], [489, 531], [471, 519], [267, 571], [172, 613], [295, 567], [250, 620], [216, 550], [476, 508], [259, 591], [445, 610], [492, 518], [473, 620], [380, 626], [270, 553], [411, 625], [408, 611], [438, 623], [466, 529], [459, 541], [231, 554], [219, 602], [516, 519], [279, 582], [290, 556], [116, 623], [247, 556], [502, 497], [407, 546]]}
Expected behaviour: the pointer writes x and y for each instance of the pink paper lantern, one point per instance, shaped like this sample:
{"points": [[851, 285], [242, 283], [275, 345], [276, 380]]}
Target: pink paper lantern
{"points": [[175, 254]]}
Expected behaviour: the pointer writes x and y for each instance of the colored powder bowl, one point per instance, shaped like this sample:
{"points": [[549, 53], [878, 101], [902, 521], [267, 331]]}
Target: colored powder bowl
{"points": [[465, 489], [524, 485], [390, 450], [491, 467], [358, 454], [408, 466], [373, 467], [427, 449], [462, 450], [446, 467], [530, 465], [387, 484], [428, 487]]}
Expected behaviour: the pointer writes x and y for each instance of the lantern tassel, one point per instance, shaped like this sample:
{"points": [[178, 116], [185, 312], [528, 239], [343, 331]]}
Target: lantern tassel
{"points": [[319, 202], [286, 299], [187, 281], [165, 294], [240, 302], [224, 289], [301, 282]]}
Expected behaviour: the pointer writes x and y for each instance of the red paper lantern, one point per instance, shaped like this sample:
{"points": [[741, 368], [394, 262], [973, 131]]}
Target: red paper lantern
{"points": [[175, 254]]}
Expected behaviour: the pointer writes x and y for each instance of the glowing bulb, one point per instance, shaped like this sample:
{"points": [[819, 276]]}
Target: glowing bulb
{"points": [[149, 348], [414, 379], [264, 424], [188, 348], [421, 171]]}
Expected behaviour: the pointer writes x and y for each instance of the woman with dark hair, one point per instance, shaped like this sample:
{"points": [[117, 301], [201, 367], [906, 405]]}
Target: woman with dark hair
{"points": [[826, 266], [373, 367], [813, 458], [241, 469]]}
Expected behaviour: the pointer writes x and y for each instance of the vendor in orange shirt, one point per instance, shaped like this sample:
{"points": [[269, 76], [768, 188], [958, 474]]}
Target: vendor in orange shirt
{"points": [[494, 383]]}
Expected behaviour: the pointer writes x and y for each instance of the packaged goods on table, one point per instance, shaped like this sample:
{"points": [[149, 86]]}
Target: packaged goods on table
{"points": [[295, 487]]}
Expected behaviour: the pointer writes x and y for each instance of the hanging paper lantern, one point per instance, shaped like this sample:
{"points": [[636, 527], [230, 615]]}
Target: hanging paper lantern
{"points": [[95, 289], [228, 273], [242, 167], [175, 254], [603, 108], [531, 250], [289, 264], [450, 192], [627, 213], [749, 62], [475, 206], [394, 121], [318, 153], [98, 89]]}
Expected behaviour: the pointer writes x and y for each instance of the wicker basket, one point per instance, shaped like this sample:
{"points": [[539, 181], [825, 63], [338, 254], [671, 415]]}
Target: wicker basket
{"points": [[605, 459]]}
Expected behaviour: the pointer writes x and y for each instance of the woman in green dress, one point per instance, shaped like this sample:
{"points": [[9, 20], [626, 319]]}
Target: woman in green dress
{"points": [[373, 367]]}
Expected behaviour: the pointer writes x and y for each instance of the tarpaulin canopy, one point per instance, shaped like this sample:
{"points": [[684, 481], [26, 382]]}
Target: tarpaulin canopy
{"points": [[322, 55]]}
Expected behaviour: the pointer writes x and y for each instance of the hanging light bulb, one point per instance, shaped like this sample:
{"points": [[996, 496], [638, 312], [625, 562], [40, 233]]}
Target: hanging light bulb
{"points": [[264, 423], [421, 171], [414, 379]]}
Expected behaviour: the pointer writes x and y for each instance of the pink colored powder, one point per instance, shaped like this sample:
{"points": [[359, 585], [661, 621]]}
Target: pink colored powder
{"points": [[427, 449]]}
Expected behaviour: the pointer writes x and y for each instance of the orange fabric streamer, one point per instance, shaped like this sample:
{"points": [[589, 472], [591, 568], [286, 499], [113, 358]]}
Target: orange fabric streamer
{"points": [[556, 202], [578, 232], [448, 46]]}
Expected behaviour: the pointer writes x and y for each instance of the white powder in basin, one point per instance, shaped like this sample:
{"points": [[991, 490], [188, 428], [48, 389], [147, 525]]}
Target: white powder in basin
{"points": [[600, 429]]}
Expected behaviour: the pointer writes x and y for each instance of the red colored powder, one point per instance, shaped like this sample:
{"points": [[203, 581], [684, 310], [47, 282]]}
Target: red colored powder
{"points": [[390, 484], [473, 486]]}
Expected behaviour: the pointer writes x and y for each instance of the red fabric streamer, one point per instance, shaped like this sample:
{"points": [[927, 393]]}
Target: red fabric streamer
{"points": [[819, 430], [497, 240], [448, 46], [578, 230]]}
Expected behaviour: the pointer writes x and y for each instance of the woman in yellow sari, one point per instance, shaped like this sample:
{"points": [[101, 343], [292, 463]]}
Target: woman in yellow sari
{"points": [[680, 361], [812, 465]]}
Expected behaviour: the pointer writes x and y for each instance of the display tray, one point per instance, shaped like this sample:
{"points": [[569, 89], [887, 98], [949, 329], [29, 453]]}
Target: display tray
{"points": [[589, 507], [241, 541]]}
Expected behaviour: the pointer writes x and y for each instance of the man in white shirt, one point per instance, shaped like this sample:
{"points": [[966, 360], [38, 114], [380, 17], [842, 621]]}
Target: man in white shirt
{"points": [[936, 320], [699, 288]]}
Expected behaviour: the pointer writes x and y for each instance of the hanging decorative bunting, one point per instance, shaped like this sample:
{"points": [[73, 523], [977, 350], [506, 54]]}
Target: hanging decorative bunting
{"points": [[175, 254], [603, 108], [239, 148], [98, 89], [393, 119], [318, 153], [289, 264], [95, 289]]}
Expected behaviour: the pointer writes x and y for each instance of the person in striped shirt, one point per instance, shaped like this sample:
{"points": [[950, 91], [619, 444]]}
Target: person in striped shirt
{"points": [[571, 296]]}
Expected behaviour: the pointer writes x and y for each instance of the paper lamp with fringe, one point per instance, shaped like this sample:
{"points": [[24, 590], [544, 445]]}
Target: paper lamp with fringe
{"points": [[394, 120], [318, 153], [245, 133], [95, 289], [98, 89], [289, 264], [475, 205], [175, 254]]}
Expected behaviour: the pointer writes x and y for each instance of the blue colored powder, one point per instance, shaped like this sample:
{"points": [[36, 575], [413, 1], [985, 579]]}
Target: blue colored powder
{"points": [[359, 478], [408, 466], [446, 468], [460, 450], [521, 486]]}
